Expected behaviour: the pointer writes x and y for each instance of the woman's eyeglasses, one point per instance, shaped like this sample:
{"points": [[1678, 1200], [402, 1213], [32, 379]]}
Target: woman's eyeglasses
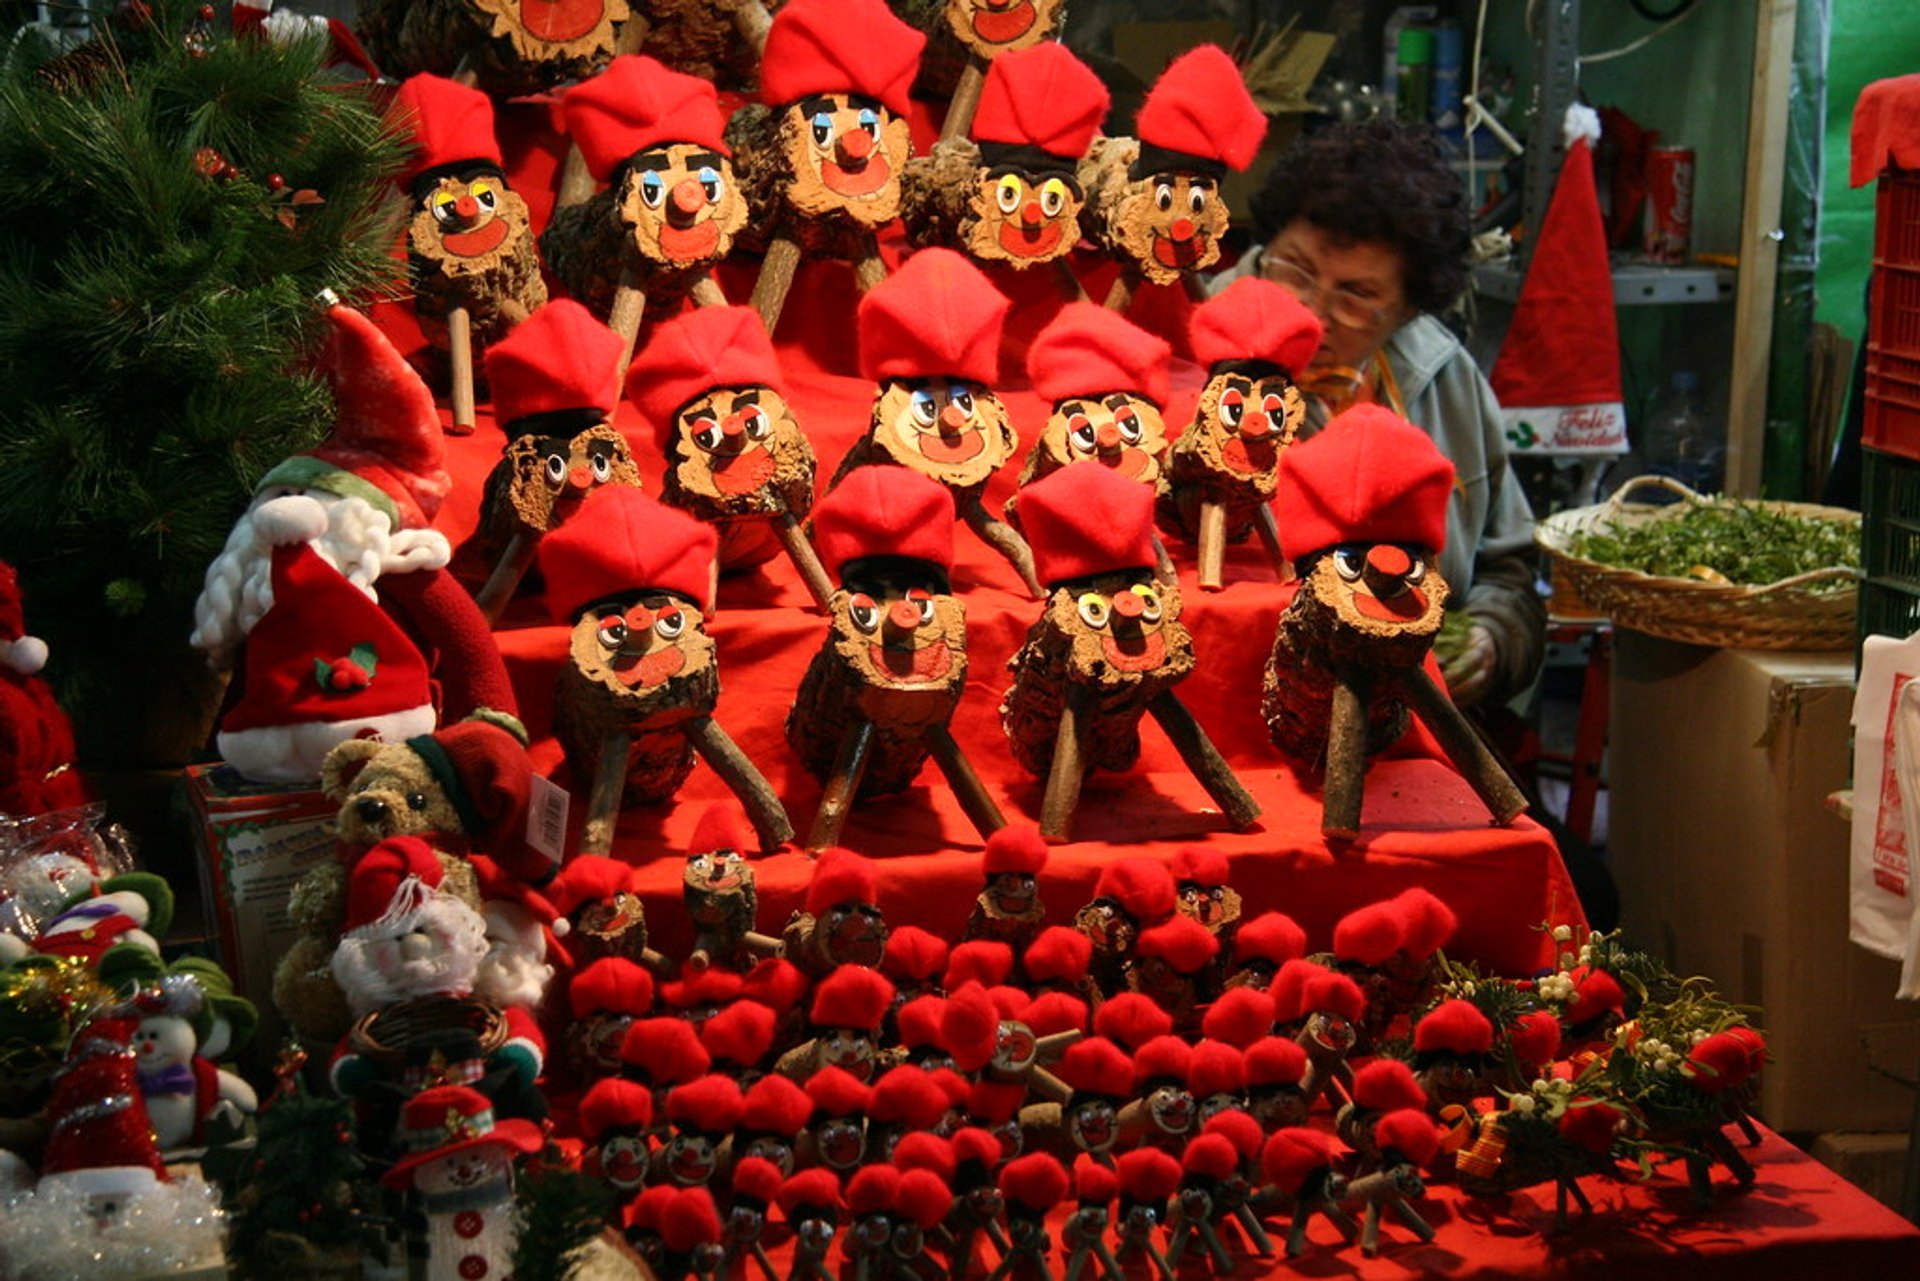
{"points": [[1342, 306]]}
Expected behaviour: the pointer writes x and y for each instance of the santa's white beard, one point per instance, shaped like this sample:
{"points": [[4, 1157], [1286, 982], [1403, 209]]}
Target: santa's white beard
{"points": [[359, 541], [512, 974], [378, 969]]}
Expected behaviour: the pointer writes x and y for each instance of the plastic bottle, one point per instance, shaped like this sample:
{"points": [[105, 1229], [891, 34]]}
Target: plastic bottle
{"points": [[1682, 441], [1449, 55], [1400, 19], [1415, 72]]}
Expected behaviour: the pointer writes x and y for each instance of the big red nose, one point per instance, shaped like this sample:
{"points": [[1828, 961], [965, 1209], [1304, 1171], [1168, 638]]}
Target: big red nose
{"points": [[639, 618], [854, 145], [952, 419], [1129, 605], [1182, 229], [689, 198], [1030, 214], [904, 615], [1256, 426], [579, 478], [466, 209], [732, 425], [1385, 558], [1107, 437]]}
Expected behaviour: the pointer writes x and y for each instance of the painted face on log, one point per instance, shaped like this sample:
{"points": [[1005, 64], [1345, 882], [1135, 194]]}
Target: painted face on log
{"points": [[718, 886], [1013, 893], [1243, 422], [1172, 222], [682, 205], [1214, 906], [1093, 1125], [732, 441], [552, 474], [623, 1161], [544, 28], [988, 27], [1124, 623], [468, 223], [948, 429], [1024, 217], [854, 934], [1119, 430], [647, 651], [900, 637], [846, 154], [1382, 588]]}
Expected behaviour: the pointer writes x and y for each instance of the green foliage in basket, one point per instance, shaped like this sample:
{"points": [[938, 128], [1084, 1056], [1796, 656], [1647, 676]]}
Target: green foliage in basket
{"points": [[1725, 540]]}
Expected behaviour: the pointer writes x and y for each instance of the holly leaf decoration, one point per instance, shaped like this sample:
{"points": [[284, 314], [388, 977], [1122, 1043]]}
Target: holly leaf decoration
{"points": [[323, 673], [364, 655]]}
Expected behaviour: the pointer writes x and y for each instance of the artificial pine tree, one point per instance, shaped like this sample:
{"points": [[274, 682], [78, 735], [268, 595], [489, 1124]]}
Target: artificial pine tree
{"points": [[561, 1210], [176, 197], [298, 1211]]}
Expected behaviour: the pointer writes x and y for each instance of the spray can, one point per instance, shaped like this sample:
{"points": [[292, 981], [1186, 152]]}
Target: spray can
{"points": [[1449, 58], [1669, 233]]}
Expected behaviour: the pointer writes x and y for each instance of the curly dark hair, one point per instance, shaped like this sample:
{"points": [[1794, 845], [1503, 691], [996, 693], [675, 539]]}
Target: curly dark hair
{"points": [[1378, 180]]}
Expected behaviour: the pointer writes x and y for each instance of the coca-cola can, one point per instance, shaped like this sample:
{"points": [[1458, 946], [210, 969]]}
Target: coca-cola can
{"points": [[1669, 204]]}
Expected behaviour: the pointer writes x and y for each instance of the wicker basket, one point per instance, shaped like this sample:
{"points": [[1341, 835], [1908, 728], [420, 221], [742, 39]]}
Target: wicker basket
{"points": [[1794, 613]]}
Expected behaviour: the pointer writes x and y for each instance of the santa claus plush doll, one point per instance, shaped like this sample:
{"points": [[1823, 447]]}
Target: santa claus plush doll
{"points": [[37, 774]]}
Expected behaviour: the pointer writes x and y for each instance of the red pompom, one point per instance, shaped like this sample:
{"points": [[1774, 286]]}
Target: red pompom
{"points": [[665, 1051], [650, 1207], [1535, 1038], [1289, 989], [907, 1096], [1293, 1156], [1429, 923], [690, 1220], [1335, 994], [1097, 1066], [1148, 1175], [1453, 1027], [1201, 865], [1017, 847], [913, 953], [709, 987], [1132, 1020], [1590, 1124], [1386, 1085], [588, 878], [957, 1088], [924, 1197], [1216, 1068], [776, 983], [1369, 935], [1182, 943], [1274, 1060], [1093, 1183], [923, 1151], [837, 1092], [1142, 886], [919, 1022], [978, 1147], [757, 1179], [841, 876], [1596, 994], [1058, 954], [1210, 1156], [816, 1190], [614, 1104], [1755, 1044], [723, 825], [1037, 1181], [996, 1102], [1273, 937], [611, 985], [1008, 1000], [1162, 1058], [1410, 1132], [710, 1105], [741, 1034], [1724, 1060], [873, 1190], [1239, 1129], [969, 1027], [775, 1105], [987, 962], [1053, 1012], [1240, 1017], [852, 996]]}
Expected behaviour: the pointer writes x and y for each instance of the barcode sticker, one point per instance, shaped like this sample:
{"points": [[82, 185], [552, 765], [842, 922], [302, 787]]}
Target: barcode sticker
{"points": [[547, 818]]}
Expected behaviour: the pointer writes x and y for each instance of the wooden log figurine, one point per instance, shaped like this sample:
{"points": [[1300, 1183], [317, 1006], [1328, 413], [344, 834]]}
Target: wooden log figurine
{"points": [[698, 1151], [668, 205], [605, 998], [1031, 1185], [1009, 909], [709, 383], [1275, 1067], [458, 1163], [1130, 895], [848, 1008], [1161, 1112], [508, 47], [1107, 382], [470, 248], [1363, 515], [1085, 1233], [1384, 1085], [1107, 650], [1012, 194], [615, 1119], [1453, 1053], [1391, 949], [1405, 1139], [556, 382], [1154, 202], [810, 1204], [821, 159], [635, 701], [1298, 1163], [1171, 965], [1148, 1179], [1101, 1077], [606, 914], [990, 30], [878, 696], [719, 892], [841, 922], [1222, 470], [1261, 947], [716, 40], [1200, 875], [1334, 1007]]}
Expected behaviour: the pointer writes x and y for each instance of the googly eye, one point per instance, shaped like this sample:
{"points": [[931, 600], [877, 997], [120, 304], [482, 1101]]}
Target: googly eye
{"points": [[486, 198], [1233, 407], [1081, 433], [442, 205], [671, 622], [926, 408], [556, 468], [1197, 200], [706, 432], [756, 422], [1417, 572], [712, 184], [922, 601], [1131, 428], [1150, 608], [1275, 406], [1094, 609], [1349, 562], [602, 467], [960, 398], [1007, 193], [1053, 197], [612, 632], [700, 865], [653, 189], [864, 612], [870, 121], [1163, 196], [822, 126]]}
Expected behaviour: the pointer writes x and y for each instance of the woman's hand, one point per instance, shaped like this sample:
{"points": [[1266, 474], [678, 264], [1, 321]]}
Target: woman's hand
{"points": [[1469, 671]]}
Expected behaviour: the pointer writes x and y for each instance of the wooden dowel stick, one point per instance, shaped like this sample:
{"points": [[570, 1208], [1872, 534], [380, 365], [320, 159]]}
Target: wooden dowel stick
{"points": [[1120, 297], [786, 527], [743, 779], [1196, 287], [775, 279], [576, 181], [842, 785], [705, 291], [966, 99], [753, 22], [1006, 540], [975, 801], [1070, 287], [1064, 779], [460, 355], [629, 305], [1204, 759], [1163, 563], [869, 269], [1213, 545], [504, 581], [1346, 758], [603, 803], [1468, 754], [1268, 527]]}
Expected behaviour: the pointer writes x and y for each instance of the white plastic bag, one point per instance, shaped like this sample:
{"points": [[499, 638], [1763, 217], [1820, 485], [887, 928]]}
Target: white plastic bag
{"points": [[1883, 864]]}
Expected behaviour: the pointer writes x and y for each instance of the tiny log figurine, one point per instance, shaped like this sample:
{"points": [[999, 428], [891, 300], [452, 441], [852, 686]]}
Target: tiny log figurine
{"points": [[1405, 1139], [1334, 1008], [1107, 382], [1101, 1078], [840, 922], [720, 895], [668, 207], [1172, 964], [878, 696], [1108, 648], [1262, 946], [606, 997], [821, 159], [1160, 1113], [1363, 515], [509, 47], [1223, 468], [1275, 1068], [1299, 1163], [810, 1204], [702, 1113], [470, 241], [848, 1008], [1453, 1053], [459, 1165], [1154, 202], [1009, 909], [1200, 875], [615, 1118], [709, 383], [1148, 1178], [1032, 1185], [1384, 1085], [990, 30], [1012, 195], [1391, 949], [555, 383], [930, 339], [636, 699]]}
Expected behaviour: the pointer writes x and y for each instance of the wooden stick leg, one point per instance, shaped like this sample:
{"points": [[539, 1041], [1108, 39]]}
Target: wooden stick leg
{"points": [[975, 800], [1076, 1263], [775, 280], [1006, 540], [576, 182], [1579, 1195], [786, 527], [752, 21], [743, 779], [504, 581], [1346, 759], [1064, 779], [1216, 1248], [1463, 747], [1204, 759], [1413, 1219], [1268, 527], [1070, 287], [1256, 1232], [460, 355], [1108, 1263], [513, 312], [766, 1264], [1748, 1128], [629, 305], [1163, 569], [603, 803], [1370, 1230], [1716, 1143], [1297, 1231], [869, 269], [966, 99], [1196, 287], [842, 785], [1120, 297], [705, 292], [1213, 545], [1178, 1234]]}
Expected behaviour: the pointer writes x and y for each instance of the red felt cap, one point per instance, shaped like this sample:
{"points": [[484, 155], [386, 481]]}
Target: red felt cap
{"points": [[969, 1026], [1289, 988], [884, 511], [1535, 1038], [588, 878], [1385, 1084], [937, 315], [448, 123], [1453, 1027], [1369, 476], [1142, 886], [837, 1092], [1083, 521], [1429, 921], [1886, 128], [739, 1035], [1255, 319], [621, 540], [919, 1022], [1216, 1068], [924, 1151], [1148, 1175], [776, 983], [1335, 994], [610, 985], [816, 1189], [615, 1104], [1200, 107], [841, 876], [690, 1220], [1210, 1156], [636, 105], [666, 1051], [1097, 1066], [558, 358], [1410, 1132], [1369, 935], [689, 355], [488, 776], [710, 1105], [852, 996], [1093, 1183], [1058, 954], [1294, 1155], [1017, 847], [1054, 1012], [1239, 1129], [1181, 942], [1241, 1016], [1275, 1060], [722, 825], [1200, 865], [775, 1105], [1089, 350], [983, 961], [757, 1179], [907, 1096], [1131, 1019], [840, 46], [913, 953], [873, 1189], [1273, 937], [709, 987], [1041, 96], [1036, 1181], [375, 885], [1164, 1057], [924, 1198]]}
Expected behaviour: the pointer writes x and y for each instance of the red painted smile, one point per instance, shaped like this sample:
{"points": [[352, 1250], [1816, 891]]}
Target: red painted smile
{"points": [[475, 244], [925, 664], [653, 669], [560, 20], [689, 244], [952, 449], [1005, 25], [742, 473], [1249, 458], [864, 181], [1023, 243], [1178, 253], [1139, 655]]}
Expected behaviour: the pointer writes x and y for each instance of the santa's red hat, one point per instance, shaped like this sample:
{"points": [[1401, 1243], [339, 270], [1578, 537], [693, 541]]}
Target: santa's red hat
{"points": [[983, 961], [775, 1105], [1199, 115], [1040, 97], [1083, 521], [449, 124], [710, 1105], [1164, 1058], [841, 876], [1386, 1084], [1241, 1016], [1453, 1027], [664, 1051], [514, 907], [100, 1138], [1181, 942], [1131, 1019], [1273, 937], [913, 955], [1275, 1060], [689, 355], [852, 996], [1089, 350], [1558, 373], [637, 105], [1097, 1066], [622, 541], [1255, 320], [840, 46], [488, 776], [1142, 886], [1216, 1068], [614, 1104], [386, 445], [393, 880], [611, 985], [884, 511], [937, 315], [1369, 476], [21, 654], [1058, 954], [558, 358], [324, 665], [1015, 848], [444, 1120]]}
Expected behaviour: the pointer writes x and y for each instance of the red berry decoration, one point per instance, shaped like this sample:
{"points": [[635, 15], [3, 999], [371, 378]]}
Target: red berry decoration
{"points": [[275, 182], [206, 13]]}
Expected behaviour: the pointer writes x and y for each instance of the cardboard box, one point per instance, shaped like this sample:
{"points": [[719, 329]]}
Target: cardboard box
{"points": [[1731, 866], [254, 843]]}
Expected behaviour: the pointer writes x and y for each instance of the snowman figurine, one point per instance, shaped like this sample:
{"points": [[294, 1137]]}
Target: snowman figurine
{"points": [[459, 1164], [190, 1102]]}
